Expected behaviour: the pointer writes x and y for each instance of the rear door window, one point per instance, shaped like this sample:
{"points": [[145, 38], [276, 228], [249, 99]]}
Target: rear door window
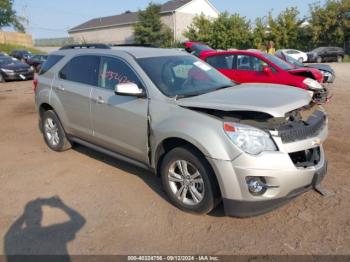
{"points": [[50, 62], [221, 61], [82, 69], [114, 71]]}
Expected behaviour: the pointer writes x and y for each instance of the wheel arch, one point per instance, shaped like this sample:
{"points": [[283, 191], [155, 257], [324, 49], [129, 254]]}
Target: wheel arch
{"points": [[170, 143]]}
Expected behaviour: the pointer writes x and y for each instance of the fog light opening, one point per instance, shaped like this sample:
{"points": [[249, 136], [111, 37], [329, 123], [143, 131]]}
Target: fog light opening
{"points": [[256, 185]]}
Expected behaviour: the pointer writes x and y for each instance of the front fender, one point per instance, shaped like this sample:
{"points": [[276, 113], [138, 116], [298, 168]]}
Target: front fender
{"points": [[203, 131]]}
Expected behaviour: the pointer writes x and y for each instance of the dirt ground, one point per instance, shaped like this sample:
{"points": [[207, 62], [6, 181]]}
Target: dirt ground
{"points": [[110, 207]]}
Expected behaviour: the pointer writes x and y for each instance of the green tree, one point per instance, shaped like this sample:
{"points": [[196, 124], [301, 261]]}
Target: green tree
{"points": [[8, 16], [259, 35], [227, 31], [283, 29], [330, 23], [200, 30], [231, 31], [151, 30]]}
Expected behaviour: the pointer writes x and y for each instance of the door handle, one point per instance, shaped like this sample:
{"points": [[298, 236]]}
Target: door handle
{"points": [[100, 100]]}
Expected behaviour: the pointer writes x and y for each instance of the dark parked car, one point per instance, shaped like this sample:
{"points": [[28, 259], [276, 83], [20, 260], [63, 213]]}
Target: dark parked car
{"points": [[22, 55], [36, 61], [326, 54], [14, 70], [327, 71]]}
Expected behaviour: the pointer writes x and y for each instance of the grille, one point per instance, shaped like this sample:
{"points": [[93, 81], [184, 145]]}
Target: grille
{"points": [[301, 130], [306, 158]]}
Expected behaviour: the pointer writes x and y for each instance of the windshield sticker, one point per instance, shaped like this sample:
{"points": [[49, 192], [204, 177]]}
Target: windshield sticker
{"points": [[202, 66]]}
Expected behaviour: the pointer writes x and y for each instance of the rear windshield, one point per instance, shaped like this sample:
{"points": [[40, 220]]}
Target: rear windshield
{"points": [[50, 62]]}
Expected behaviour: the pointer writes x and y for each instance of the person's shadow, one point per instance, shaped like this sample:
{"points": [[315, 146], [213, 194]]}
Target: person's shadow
{"points": [[27, 236]]}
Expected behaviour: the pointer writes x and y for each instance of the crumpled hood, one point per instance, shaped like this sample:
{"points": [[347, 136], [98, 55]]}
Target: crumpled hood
{"points": [[275, 100]]}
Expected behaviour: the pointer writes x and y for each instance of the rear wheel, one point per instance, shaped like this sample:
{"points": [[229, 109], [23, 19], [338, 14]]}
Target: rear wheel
{"points": [[319, 59], [339, 59], [53, 132], [301, 60], [189, 181]]}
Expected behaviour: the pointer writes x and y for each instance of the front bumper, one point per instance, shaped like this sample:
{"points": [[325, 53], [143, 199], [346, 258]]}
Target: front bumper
{"points": [[238, 208], [18, 76], [279, 169]]}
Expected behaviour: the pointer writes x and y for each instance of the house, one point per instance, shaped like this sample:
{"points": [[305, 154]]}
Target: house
{"points": [[118, 29]]}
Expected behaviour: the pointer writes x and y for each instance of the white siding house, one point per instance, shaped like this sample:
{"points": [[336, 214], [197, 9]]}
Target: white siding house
{"points": [[176, 14]]}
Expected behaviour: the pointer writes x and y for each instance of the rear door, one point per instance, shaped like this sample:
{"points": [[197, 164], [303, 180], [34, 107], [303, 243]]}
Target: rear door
{"points": [[224, 63], [119, 122], [73, 88]]}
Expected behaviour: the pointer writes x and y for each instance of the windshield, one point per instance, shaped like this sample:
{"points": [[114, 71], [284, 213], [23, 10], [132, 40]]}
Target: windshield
{"points": [[183, 75], [318, 49], [293, 61], [5, 60], [278, 61]]}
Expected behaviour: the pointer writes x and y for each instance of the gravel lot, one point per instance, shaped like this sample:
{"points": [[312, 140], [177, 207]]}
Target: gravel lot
{"points": [[115, 208]]}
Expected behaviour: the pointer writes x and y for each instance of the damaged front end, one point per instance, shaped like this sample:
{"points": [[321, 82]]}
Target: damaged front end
{"points": [[321, 96], [296, 125]]}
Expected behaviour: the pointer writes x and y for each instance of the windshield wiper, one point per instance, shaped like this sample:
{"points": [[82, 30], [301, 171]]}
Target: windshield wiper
{"points": [[222, 87], [177, 97], [201, 93]]}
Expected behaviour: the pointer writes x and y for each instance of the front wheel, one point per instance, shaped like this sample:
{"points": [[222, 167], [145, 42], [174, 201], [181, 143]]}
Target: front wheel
{"points": [[319, 59], [189, 181], [2, 80], [301, 60]]}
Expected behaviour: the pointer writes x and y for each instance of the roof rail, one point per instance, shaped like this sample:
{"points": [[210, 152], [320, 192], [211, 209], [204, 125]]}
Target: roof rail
{"points": [[136, 45], [81, 46]]}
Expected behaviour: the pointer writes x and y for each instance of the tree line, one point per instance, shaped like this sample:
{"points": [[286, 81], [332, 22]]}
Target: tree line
{"points": [[326, 24]]}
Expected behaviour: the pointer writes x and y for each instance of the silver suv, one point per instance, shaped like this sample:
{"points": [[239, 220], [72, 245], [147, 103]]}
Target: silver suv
{"points": [[252, 146]]}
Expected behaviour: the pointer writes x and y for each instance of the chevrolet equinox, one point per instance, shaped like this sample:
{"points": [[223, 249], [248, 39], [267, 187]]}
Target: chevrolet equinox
{"points": [[252, 146]]}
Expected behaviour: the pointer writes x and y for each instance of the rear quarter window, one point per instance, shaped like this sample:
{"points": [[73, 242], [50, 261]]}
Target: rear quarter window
{"points": [[50, 62]]}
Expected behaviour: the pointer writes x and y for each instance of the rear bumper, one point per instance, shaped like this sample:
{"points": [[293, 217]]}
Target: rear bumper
{"points": [[238, 208]]}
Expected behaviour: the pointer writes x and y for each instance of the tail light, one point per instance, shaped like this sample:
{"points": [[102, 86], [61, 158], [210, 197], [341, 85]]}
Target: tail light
{"points": [[35, 84]]}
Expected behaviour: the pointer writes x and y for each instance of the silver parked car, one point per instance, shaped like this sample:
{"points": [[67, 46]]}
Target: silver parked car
{"points": [[252, 146]]}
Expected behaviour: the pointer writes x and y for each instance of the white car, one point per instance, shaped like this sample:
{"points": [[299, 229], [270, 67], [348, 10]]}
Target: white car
{"points": [[296, 54]]}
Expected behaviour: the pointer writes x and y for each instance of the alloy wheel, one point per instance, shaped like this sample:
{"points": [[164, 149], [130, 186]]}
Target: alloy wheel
{"points": [[51, 132], [186, 182]]}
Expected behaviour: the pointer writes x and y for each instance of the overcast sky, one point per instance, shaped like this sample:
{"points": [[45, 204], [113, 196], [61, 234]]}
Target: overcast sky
{"points": [[52, 18]]}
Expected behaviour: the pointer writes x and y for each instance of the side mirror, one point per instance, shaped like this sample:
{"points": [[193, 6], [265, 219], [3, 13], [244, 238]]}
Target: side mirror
{"points": [[129, 89], [267, 70]]}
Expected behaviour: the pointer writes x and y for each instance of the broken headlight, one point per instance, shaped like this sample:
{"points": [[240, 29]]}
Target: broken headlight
{"points": [[250, 139]]}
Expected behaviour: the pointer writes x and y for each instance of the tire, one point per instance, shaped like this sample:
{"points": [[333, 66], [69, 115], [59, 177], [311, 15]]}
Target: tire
{"points": [[53, 132], [319, 59], [339, 59], [301, 60], [200, 194], [2, 80]]}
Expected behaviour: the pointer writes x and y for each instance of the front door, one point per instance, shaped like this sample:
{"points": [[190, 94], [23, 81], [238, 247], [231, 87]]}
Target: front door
{"points": [[119, 122]]}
